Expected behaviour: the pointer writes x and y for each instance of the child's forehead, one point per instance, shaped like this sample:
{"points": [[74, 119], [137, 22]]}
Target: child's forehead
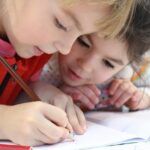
{"points": [[115, 45]]}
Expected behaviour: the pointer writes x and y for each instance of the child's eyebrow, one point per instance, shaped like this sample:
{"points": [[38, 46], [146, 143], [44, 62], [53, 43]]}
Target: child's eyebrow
{"points": [[74, 18], [118, 61]]}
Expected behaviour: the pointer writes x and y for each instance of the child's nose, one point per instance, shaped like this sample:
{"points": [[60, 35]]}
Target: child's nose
{"points": [[65, 44], [61, 48]]}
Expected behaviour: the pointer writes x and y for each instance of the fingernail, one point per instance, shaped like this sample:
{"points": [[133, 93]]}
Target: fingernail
{"points": [[98, 92]]}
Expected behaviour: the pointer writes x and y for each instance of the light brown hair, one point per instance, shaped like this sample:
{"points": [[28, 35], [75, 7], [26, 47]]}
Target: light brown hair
{"points": [[118, 20]]}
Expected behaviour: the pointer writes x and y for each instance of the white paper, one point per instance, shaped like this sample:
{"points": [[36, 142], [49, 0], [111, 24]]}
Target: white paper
{"points": [[137, 123], [96, 136], [109, 129]]}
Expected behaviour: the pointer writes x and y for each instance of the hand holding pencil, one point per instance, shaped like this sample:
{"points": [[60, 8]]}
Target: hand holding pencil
{"points": [[34, 123]]}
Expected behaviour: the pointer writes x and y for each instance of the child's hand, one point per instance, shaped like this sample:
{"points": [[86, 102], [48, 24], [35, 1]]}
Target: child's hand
{"points": [[87, 95], [75, 115], [54, 96], [122, 92], [33, 123], [140, 100]]}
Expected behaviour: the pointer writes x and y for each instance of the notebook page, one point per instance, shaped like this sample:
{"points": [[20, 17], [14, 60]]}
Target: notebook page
{"points": [[137, 123], [96, 136]]}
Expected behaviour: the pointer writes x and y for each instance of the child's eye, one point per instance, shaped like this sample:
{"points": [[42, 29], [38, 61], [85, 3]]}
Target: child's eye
{"points": [[108, 64], [59, 25], [84, 41]]}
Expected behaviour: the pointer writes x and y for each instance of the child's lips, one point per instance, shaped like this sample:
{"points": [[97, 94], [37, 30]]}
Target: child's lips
{"points": [[73, 75]]}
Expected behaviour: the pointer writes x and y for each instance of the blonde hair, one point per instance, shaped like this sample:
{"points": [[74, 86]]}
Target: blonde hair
{"points": [[119, 19], [117, 23]]}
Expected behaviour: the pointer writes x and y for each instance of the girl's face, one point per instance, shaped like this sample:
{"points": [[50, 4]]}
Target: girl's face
{"points": [[35, 27], [93, 60]]}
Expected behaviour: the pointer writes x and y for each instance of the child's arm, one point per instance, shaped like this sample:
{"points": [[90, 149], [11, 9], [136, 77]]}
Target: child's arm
{"points": [[33, 124], [50, 94]]}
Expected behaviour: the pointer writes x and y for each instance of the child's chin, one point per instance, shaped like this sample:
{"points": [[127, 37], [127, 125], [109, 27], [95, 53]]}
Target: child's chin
{"points": [[73, 83]]}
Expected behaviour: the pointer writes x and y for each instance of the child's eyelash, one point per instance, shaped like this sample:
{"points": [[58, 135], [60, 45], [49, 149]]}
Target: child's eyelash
{"points": [[108, 64], [59, 25], [83, 43]]}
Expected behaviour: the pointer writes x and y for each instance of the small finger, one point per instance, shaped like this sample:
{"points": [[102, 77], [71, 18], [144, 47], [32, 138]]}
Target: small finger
{"points": [[112, 100], [87, 103], [114, 86], [72, 117], [122, 88], [135, 101], [81, 118], [122, 100], [52, 130], [90, 95], [95, 89]]}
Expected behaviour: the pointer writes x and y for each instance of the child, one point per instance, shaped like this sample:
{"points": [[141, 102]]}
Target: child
{"points": [[34, 28], [90, 62]]}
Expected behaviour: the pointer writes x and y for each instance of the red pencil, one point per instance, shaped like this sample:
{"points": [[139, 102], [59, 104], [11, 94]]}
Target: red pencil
{"points": [[14, 147]]}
